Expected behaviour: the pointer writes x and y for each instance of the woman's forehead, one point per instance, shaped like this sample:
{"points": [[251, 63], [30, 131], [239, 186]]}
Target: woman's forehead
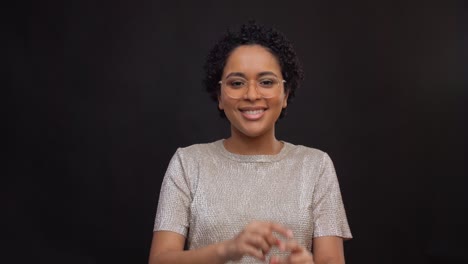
{"points": [[251, 60]]}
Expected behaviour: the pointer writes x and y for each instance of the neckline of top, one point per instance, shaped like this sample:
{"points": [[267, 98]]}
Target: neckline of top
{"points": [[254, 158]]}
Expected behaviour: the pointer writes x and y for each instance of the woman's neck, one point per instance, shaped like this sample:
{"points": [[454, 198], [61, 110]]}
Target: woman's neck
{"points": [[241, 144]]}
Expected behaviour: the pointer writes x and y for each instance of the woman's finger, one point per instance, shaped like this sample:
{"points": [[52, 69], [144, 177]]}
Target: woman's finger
{"points": [[286, 232], [291, 246], [272, 240], [254, 252], [258, 242], [278, 260], [269, 227], [302, 258]]}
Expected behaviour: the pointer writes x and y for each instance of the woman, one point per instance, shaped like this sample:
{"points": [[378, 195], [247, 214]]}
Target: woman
{"points": [[250, 198]]}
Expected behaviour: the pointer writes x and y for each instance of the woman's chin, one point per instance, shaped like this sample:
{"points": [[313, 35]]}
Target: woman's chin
{"points": [[252, 133]]}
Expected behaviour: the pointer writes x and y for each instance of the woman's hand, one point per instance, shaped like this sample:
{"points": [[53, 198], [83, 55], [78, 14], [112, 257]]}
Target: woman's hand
{"points": [[255, 240], [299, 254]]}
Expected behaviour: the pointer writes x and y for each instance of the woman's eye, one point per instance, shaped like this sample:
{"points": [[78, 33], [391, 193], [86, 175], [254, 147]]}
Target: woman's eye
{"points": [[266, 83], [237, 84]]}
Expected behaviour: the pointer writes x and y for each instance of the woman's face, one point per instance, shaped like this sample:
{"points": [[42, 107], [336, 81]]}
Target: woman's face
{"points": [[252, 115]]}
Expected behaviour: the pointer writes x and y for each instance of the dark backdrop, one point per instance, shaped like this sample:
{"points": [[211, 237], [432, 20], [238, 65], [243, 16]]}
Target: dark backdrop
{"points": [[101, 93]]}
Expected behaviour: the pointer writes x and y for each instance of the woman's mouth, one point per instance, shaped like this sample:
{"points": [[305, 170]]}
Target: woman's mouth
{"points": [[253, 114]]}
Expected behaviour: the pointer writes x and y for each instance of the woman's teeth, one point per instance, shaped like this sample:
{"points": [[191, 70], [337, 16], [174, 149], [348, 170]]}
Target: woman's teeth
{"points": [[253, 112]]}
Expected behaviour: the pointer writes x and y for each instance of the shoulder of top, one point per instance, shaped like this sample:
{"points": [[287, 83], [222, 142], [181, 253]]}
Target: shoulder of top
{"points": [[309, 151], [196, 149]]}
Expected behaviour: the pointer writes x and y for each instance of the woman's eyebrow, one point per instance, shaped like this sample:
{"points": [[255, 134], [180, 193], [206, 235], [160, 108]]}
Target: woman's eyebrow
{"points": [[239, 74], [266, 73]]}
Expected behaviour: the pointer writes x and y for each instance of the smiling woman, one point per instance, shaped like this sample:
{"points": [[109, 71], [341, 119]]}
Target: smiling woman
{"points": [[252, 115], [250, 198]]}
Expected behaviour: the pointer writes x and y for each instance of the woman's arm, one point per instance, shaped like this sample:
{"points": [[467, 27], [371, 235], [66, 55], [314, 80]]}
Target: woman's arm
{"points": [[255, 240], [168, 247], [328, 250]]}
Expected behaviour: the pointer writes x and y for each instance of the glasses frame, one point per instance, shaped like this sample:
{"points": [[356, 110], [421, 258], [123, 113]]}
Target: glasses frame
{"points": [[256, 89]]}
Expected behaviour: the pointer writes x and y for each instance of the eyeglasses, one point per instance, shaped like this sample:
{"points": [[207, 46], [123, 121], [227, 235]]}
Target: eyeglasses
{"points": [[236, 87]]}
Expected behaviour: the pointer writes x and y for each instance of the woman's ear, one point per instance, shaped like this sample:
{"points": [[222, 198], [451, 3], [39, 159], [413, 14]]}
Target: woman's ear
{"points": [[220, 103], [285, 99]]}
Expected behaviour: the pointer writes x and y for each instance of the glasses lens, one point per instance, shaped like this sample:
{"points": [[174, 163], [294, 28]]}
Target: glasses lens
{"points": [[268, 87], [236, 87]]}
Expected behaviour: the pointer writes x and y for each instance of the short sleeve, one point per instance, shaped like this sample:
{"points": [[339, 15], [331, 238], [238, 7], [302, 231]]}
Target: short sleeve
{"points": [[174, 199], [329, 216]]}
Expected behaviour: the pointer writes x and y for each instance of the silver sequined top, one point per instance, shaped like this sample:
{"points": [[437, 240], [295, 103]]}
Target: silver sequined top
{"points": [[210, 194]]}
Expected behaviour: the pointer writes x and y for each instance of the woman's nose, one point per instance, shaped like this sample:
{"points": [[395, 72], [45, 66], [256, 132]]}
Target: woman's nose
{"points": [[252, 91]]}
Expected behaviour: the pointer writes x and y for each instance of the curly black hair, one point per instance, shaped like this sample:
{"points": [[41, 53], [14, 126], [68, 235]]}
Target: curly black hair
{"points": [[253, 33]]}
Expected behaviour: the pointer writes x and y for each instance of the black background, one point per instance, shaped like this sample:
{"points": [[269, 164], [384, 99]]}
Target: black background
{"points": [[99, 95]]}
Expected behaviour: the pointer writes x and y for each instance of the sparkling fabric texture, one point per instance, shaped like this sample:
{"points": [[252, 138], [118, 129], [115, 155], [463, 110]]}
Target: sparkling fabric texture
{"points": [[209, 194]]}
